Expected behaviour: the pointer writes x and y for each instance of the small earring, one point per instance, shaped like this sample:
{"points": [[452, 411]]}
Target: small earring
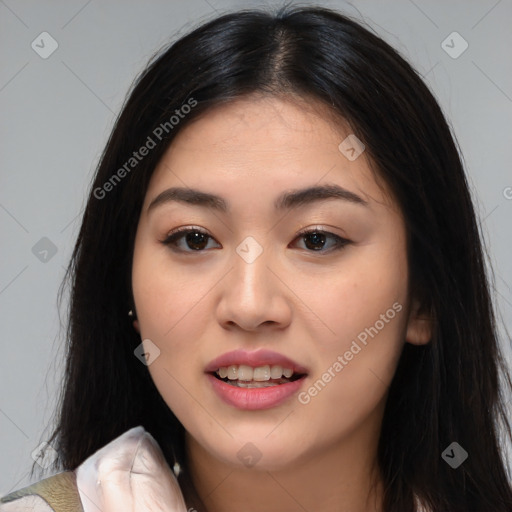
{"points": [[135, 322], [176, 469]]}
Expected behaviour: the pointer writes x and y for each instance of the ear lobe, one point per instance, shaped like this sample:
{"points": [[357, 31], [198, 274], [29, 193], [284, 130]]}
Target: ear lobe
{"points": [[419, 325], [135, 323]]}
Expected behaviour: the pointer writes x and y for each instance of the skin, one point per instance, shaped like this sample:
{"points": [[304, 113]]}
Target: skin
{"points": [[308, 305]]}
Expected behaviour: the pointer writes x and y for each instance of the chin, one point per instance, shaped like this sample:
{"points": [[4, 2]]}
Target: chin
{"points": [[254, 452]]}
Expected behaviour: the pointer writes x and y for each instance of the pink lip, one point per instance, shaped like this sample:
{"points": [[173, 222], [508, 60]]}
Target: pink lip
{"points": [[256, 358], [252, 399]]}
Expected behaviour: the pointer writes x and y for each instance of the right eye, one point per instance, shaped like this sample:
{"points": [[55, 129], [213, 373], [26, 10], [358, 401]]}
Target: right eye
{"points": [[195, 239]]}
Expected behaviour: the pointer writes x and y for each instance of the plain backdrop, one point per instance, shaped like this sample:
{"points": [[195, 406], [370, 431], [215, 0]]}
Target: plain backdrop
{"points": [[57, 112]]}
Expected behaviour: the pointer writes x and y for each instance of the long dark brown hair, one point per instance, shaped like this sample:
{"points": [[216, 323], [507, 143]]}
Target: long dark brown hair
{"points": [[446, 391]]}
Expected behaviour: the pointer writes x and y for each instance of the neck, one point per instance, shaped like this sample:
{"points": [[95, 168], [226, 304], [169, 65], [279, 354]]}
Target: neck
{"points": [[341, 478]]}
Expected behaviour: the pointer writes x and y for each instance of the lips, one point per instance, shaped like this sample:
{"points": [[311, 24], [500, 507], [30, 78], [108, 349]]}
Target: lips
{"points": [[247, 399], [253, 395], [256, 358]]}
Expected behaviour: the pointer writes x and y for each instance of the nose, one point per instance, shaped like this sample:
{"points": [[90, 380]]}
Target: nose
{"points": [[254, 295]]}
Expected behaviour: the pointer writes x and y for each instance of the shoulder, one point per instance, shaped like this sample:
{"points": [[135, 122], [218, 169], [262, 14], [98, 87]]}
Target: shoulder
{"points": [[57, 493]]}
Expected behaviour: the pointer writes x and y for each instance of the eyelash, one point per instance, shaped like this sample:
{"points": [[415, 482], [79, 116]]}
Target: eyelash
{"points": [[177, 234]]}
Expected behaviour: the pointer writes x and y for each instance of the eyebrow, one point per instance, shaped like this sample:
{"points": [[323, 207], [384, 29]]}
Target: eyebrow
{"points": [[286, 201]]}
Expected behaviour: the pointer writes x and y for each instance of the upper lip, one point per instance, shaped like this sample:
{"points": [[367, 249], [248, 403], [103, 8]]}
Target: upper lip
{"points": [[256, 358]]}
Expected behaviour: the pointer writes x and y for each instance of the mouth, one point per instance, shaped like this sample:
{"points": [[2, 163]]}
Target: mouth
{"points": [[244, 376], [255, 380]]}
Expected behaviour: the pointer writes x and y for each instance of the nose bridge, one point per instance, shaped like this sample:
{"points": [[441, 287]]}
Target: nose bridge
{"points": [[252, 296], [251, 271]]}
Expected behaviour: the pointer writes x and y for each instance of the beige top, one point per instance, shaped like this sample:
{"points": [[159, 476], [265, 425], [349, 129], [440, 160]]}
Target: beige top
{"points": [[129, 473]]}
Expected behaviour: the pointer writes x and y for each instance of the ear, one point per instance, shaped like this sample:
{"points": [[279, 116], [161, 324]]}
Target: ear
{"points": [[132, 313], [419, 325]]}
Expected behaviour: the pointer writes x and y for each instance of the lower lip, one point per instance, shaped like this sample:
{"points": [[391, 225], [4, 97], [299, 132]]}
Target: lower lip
{"points": [[255, 398]]}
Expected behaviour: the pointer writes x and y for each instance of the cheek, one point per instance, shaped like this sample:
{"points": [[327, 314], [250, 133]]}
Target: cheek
{"points": [[365, 305], [353, 296], [362, 311], [168, 305], [166, 299], [352, 383]]}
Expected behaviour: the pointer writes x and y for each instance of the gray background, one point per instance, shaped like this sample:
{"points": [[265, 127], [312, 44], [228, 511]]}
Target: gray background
{"points": [[56, 114]]}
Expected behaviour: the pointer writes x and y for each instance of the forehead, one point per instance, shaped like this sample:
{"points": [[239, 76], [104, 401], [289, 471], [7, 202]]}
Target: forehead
{"points": [[260, 146], [259, 125]]}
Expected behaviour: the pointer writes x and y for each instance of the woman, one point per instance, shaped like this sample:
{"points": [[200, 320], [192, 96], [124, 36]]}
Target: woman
{"points": [[279, 280]]}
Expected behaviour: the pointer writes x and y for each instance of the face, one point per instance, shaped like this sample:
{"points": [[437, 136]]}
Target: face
{"points": [[318, 278]]}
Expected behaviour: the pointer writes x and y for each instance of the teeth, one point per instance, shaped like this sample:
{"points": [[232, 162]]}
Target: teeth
{"points": [[232, 372], [240, 384], [276, 372], [259, 374], [245, 372]]}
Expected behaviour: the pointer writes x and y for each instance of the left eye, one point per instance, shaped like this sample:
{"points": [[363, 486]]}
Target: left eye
{"points": [[197, 240], [318, 236]]}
